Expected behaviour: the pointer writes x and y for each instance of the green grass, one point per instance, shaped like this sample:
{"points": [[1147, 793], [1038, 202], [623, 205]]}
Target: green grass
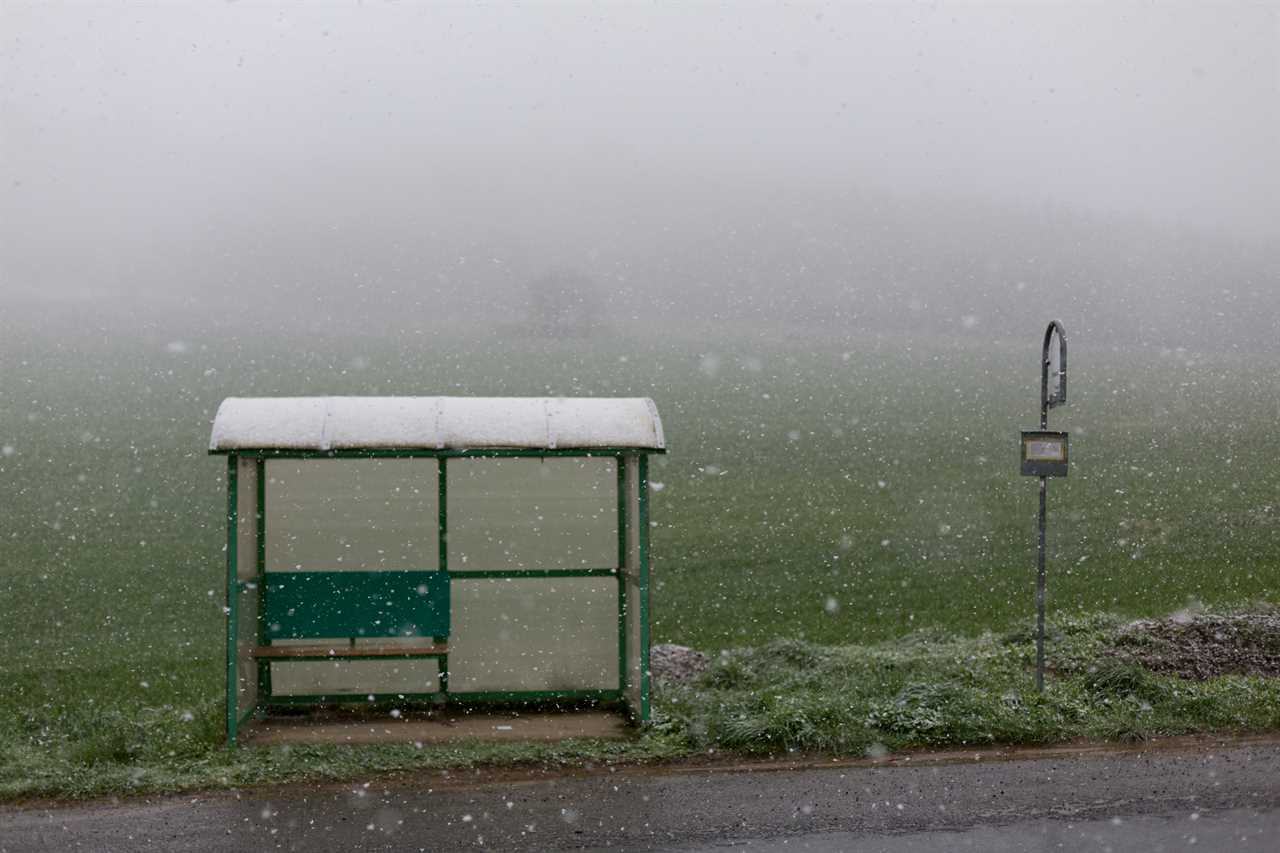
{"points": [[928, 689], [836, 493], [45, 775], [934, 690]]}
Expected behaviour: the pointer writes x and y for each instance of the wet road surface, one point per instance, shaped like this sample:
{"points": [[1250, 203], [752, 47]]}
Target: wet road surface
{"points": [[1239, 831], [1223, 797]]}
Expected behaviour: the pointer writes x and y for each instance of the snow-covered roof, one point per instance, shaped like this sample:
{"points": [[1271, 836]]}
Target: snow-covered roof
{"points": [[435, 423]]}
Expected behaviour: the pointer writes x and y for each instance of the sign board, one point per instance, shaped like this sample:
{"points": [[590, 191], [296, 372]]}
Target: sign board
{"points": [[1044, 454]]}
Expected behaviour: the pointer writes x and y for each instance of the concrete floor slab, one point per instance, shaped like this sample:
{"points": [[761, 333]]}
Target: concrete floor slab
{"points": [[435, 727]]}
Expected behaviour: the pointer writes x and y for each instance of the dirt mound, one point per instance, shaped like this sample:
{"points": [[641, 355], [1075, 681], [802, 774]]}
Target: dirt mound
{"points": [[1204, 645]]}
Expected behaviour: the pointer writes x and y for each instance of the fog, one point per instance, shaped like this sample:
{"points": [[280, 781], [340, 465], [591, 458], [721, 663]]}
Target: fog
{"points": [[941, 168], [824, 240]]}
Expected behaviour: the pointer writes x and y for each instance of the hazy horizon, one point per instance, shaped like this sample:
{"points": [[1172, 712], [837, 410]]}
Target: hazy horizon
{"points": [[866, 164]]}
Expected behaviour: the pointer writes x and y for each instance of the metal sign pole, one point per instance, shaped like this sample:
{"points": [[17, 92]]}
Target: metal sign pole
{"points": [[1047, 402], [1044, 489]]}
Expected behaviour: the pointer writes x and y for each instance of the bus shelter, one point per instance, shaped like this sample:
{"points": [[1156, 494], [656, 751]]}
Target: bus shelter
{"points": [[462, 550]]}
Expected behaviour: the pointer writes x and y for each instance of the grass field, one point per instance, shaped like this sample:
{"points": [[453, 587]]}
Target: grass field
{"points": [[836, 492]]}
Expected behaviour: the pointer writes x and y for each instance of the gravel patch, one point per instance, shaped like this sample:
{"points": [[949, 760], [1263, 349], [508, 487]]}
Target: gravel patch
{"points": [[676, 664], [1204, 645]]}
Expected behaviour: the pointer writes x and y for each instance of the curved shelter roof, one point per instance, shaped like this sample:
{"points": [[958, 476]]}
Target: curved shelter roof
{"points": [[435, 423]]}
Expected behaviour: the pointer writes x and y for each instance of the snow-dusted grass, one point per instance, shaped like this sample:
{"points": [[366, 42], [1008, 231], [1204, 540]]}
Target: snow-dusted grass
{"points": [[835, 493], [930, 689]]}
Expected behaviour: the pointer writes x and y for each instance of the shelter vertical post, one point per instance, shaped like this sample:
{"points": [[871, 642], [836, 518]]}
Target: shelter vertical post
{"points": [[636, 574], [631, 575], [642, 523], [245, 557], [442, 542], [622, 575], [232, 632], [264, 670]]}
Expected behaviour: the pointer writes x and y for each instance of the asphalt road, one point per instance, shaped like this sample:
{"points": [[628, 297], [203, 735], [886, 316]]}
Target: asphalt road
{"points": [[1239, 831], [1207, 798]]}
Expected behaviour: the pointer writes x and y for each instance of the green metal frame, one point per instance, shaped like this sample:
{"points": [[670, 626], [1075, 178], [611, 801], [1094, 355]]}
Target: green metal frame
{"points": [[264, 672], [622, 574], [442, 542], [533, 573], [267, 698], [642, 524], [233, 595]]}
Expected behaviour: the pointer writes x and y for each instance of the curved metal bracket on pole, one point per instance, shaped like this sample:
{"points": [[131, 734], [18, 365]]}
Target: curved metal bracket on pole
{"points": [[1059, 396]]}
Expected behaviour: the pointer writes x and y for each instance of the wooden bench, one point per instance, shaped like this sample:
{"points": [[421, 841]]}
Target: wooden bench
{"points": [[380, 609]]}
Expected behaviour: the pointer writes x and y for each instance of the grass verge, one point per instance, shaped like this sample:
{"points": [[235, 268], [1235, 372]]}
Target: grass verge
{"points": [[933, 689], [930, 689]]}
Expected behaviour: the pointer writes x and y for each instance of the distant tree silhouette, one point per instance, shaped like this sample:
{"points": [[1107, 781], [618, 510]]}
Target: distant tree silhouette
{"points": [[564, 304]]}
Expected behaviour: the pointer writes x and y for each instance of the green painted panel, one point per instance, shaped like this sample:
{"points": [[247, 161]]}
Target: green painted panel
{"points": [[303, 605]]}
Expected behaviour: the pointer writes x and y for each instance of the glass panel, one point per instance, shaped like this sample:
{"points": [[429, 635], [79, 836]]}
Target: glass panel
{"points": [[553, 513], [246, 519], [353, 677], [355, 514], [534, 634]]}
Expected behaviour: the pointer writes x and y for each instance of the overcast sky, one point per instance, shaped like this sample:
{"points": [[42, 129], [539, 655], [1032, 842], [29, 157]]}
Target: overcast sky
{"points": [[129, 128]]}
